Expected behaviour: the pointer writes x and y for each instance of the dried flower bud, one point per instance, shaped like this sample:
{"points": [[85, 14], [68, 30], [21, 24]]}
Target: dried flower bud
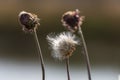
{"points": [[63, 45], [71, 20], [29, 21]]}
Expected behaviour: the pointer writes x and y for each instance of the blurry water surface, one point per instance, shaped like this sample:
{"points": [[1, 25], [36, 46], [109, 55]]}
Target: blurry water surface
{"points": [[12, 70]]}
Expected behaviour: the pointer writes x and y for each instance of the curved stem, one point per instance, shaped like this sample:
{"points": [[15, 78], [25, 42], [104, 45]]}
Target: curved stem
{"points": [[85, 53], [39, 54], [67, 66]]}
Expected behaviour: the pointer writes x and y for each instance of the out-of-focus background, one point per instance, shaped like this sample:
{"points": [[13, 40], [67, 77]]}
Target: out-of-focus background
{"points": [[101, 28]]}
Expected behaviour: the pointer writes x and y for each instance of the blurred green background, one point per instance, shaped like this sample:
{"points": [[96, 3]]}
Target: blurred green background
{"points": [[101, 29]]}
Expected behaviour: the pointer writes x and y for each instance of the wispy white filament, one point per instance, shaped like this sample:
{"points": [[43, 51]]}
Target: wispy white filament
{"points": [[62, 44]]}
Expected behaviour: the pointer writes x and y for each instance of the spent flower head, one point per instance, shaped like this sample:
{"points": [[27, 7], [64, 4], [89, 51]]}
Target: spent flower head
{"points": [[63, 44], [72, 20], [28, 20]]}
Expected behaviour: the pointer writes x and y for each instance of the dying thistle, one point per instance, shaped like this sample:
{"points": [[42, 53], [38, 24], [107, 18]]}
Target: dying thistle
{"points": [[73, 21], [63, 45], [30, 23]]}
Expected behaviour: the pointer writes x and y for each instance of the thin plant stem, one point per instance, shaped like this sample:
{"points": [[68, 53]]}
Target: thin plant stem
{"points": [[39, 54], [67, 67], [85, 53]]}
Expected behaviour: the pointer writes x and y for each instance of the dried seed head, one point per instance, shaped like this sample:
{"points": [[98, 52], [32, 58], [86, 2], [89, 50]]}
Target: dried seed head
{"points": [[63, 45], [29, 21], [71, 20]]}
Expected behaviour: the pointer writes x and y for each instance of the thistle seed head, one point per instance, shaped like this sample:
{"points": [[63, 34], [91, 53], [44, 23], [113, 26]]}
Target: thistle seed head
{"points": [[72, 20], [29, 21], [63, 45]]}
